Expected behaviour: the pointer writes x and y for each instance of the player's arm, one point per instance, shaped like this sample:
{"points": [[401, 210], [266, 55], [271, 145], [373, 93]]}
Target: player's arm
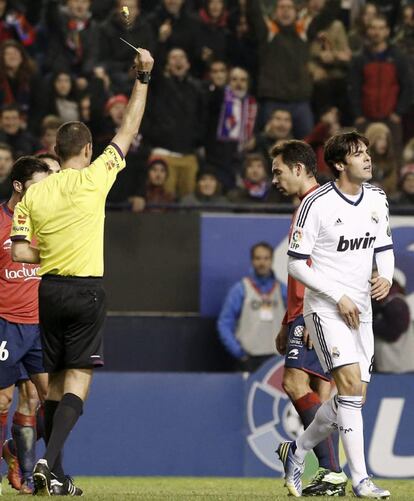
{"points": [[136, 105], [382, 283], [23, 252], [299, 269], [306, 230], [384, 254], [22, 235]]}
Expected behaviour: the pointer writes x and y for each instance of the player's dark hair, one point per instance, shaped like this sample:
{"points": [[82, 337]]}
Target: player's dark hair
{"points": [[339, 146], [48, 155], [24, 168], [295, 152], [71, 138], [264, 245]]}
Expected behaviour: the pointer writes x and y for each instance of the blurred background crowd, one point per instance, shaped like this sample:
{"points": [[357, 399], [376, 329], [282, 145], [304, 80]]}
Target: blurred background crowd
{"points": [[232, 77]]}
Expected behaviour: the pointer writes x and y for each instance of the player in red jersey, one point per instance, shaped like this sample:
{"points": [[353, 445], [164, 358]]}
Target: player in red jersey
{"points": [[20, 348], [294, 169]]}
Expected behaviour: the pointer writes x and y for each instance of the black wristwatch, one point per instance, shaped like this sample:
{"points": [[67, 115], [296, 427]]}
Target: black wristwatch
{"points": [[144, 76]]}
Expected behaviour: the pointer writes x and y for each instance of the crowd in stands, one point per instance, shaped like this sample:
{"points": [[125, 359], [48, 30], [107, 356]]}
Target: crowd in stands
{"points": [[231, 78]]}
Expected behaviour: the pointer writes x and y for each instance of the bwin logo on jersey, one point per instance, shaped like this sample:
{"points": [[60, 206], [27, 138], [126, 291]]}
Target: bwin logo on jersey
{"points": [[345, 244]]}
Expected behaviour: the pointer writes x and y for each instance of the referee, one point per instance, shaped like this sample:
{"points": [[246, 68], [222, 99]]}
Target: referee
{"points": [[65, 213]]}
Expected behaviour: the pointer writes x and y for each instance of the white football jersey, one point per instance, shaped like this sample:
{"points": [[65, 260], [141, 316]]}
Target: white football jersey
{"points": [[341, 236]]}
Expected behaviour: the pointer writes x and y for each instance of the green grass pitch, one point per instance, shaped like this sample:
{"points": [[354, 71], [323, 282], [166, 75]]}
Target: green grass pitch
{"points": [[209, 489]]}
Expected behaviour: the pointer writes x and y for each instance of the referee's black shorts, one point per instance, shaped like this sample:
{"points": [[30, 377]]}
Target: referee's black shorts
{"points": [[72, 312]]}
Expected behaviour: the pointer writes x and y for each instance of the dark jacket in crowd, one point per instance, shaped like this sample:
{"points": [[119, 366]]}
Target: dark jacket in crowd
{"points": [[69, 47], [283, 70], [175, 115], [115, 55], [22, 143], [214, 34], [185, 34], [380, 84]]}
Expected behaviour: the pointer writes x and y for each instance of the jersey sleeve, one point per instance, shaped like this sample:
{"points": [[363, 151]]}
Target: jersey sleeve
{"points": [[305, 231], [384, 238], [103, 171], [22, 227]]}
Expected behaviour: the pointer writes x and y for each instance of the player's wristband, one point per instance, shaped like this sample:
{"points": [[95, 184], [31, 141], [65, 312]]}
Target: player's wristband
{"points": [[144, 76]]}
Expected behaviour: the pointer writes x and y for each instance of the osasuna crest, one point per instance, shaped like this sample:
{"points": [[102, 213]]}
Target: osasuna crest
{"points": [[271, 417]]}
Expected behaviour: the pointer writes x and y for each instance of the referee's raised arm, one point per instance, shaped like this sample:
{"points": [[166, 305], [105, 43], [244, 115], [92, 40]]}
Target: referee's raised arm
{"points": [[136, 105]]}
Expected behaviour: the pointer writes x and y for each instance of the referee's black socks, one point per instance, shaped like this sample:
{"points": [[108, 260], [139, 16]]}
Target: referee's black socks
{"points": [[60, 419]]}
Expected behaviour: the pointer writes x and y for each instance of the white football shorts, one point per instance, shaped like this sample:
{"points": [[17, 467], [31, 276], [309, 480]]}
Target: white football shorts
{"points": [[337, 345]]}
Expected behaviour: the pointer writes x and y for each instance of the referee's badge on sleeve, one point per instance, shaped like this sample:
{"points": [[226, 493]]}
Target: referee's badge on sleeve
{"points": [[111, 160]]}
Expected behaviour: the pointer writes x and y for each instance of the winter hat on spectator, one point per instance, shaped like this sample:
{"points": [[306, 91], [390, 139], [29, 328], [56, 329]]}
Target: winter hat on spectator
{"points": [[118, 98], [157, 160]]}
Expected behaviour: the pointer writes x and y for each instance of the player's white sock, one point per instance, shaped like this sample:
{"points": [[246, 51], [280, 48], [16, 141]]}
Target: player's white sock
{"points": [[351, 430], [323, 424]]}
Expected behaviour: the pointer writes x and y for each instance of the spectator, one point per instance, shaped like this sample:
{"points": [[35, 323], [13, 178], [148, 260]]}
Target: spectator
{"points": [[115, 56], [12, 132], [384, 160], [130, 184], [14, 25], [380, 82], [277, 128], [175, 124], [207, 193], [307, 14], [404, 40], [252, 312], [256, 184], [102, 9], [19, 81], [51, 160], [217, 76], [213, 30], [327, 126], [241, 43], [404, 37], [330, 57], [174, 27], [155, 190], [230, 125], [357, 36], [6, 163], [394, 330], [73, 39], [405, 194], [49, 128], [284, 80], [62, 99], [390, 10], [408, 152]]}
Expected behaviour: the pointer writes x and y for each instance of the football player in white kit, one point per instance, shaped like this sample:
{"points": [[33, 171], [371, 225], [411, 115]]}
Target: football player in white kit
{"points": [[343, 226]]}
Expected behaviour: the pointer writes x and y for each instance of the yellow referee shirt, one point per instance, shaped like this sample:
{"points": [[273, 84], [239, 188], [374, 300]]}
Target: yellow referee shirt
{"points": [[65, 213]]}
